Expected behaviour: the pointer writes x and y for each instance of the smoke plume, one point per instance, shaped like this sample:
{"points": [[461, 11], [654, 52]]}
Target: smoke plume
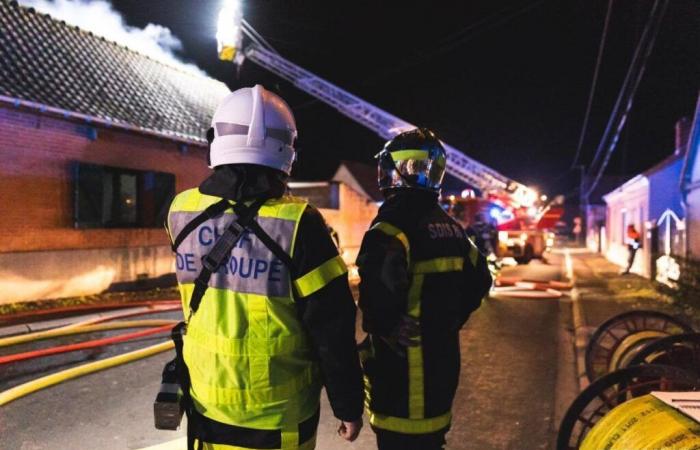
{"points": [[99, 17]]}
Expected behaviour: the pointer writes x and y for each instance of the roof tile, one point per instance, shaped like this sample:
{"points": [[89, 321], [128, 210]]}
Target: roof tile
{"points": [[47, 61]]}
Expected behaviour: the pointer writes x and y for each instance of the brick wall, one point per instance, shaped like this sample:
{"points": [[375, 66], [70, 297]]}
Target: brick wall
{"points": [[36, 189], [351, 220]]}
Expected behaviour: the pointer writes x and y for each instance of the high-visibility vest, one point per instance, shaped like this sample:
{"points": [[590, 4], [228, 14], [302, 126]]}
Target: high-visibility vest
{"points": [[249, 359], [416, 421]]}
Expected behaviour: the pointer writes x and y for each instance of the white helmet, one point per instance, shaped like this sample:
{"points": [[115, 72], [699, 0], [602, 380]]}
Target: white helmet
{"points": [[253, 126]]}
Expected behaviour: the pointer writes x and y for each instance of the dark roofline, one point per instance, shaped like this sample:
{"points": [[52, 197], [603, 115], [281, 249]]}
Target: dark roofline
{"points": [[664, 163], [76, 116]]}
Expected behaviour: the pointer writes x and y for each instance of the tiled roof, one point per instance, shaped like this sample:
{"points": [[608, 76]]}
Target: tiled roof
{"points": [[46, 61]]}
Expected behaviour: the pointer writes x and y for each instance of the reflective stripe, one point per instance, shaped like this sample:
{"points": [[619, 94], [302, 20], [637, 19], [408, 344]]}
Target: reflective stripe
{"points": [[258, 363], [448, 264], [286, 208], [320, 276], [473, 253], [389, 229], [402, 155], [416, 379], [209, 394], [281, 345], [409, 426], [308, 445]]}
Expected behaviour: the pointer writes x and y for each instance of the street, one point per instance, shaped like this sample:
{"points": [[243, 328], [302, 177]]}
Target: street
{"points": [[509, 397]]}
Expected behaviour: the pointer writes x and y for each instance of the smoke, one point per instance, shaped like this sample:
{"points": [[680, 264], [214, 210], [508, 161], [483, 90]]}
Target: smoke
{"points": [[99, 17]]}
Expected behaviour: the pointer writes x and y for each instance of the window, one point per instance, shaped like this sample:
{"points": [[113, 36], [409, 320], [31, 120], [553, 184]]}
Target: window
{"points": [[112, 197]]}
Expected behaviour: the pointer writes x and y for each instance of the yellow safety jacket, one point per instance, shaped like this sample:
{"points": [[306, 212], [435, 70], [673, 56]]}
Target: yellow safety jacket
{"points": [[249, 359]]}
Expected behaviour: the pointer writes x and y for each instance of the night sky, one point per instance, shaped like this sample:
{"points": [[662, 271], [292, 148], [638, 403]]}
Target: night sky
{"points": [[504, 81]]}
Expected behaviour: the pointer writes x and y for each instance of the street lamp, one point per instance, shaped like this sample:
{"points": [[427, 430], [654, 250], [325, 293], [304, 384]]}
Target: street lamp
{"points": [[229, 36]]}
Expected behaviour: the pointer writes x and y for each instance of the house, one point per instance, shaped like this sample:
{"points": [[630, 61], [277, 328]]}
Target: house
{"points": [[690, 188], [348, 203], [644, 201], [95, 139], [596, 212]]}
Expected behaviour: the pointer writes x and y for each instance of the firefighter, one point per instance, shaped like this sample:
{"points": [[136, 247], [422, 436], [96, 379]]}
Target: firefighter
{"points": [[420, 280], [483, 234], [276, 318]]}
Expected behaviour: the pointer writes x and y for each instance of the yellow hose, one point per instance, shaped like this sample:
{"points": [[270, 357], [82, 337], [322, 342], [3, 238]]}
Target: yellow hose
{"points": [[30, 337], [59, 377], [643, 423]]}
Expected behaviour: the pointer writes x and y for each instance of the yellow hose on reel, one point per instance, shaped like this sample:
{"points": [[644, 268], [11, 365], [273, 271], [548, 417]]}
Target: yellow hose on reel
{"points": [[643, 423]]}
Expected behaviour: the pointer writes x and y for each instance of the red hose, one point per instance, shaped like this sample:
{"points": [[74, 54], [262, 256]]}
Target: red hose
{"points": [[83, 345], [80, 308]]}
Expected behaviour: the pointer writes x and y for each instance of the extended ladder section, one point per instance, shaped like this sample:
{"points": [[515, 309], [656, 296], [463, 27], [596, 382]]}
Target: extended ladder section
{"points": [[381, 122]]}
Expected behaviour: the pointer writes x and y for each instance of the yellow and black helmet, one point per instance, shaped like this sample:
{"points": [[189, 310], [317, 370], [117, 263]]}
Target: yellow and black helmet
{"points": [[413, 159]]}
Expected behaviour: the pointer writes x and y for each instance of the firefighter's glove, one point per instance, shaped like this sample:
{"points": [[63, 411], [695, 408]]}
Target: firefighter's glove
{"points": [[405, 334]]}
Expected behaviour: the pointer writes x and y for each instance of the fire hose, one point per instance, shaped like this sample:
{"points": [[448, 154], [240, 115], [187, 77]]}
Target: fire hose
{"points": [[643, 423], [68, 374], [40, 335], [83, 345], [511, 287], [91, 325]]}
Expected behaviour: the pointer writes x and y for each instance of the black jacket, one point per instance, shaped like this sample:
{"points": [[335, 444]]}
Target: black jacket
{"points": [[446, 300]]}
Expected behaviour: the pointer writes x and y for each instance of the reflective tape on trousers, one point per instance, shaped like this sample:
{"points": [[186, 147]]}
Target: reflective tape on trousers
{"points": [[409, 426], [644, 423]]}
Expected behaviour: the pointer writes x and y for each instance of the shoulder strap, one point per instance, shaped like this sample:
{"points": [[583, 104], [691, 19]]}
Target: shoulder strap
{"points": [[273, 246], [222, 248], [209, 213]]}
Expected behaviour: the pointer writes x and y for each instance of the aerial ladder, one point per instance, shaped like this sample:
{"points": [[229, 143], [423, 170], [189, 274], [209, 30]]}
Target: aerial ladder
{"points": [[231, 29]]}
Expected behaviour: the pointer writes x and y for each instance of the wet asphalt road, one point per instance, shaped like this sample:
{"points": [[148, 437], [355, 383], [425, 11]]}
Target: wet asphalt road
{"points": [[507, 399]]}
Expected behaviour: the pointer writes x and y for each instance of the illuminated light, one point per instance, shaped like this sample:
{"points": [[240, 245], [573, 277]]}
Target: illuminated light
{"points": [[452, 198], [523, 237], [543, 198], [550, 242], [532, 211], [228, 30], [495, 213], [468, 193], [503, 236]]}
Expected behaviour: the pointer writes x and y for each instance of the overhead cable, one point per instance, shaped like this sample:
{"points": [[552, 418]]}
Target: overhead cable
{"points": [[628, 92], [591, 93]]}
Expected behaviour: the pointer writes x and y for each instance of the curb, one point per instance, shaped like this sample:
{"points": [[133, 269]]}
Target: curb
{"points": [[581, 335], [581, 331]]}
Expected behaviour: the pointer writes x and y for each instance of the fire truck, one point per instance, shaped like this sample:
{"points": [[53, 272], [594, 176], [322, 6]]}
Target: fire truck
{"points": [[519, 232]]}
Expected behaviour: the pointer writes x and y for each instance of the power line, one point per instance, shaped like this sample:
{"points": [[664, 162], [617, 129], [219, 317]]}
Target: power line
{"points": [[624, 90], [653, 25], [591, 93]]}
